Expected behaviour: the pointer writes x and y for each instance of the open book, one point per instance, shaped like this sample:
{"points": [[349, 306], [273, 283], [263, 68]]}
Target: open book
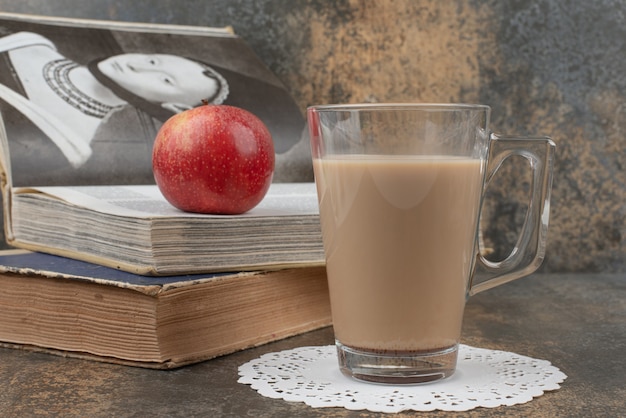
{"points": [[81, 102], [134, 228]]}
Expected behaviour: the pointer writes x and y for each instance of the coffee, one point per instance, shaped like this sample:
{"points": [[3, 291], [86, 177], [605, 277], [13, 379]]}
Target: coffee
{"points": [[399, 234], [400, 186]]}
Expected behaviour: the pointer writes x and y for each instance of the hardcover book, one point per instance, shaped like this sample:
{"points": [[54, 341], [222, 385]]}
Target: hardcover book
{"points": [[78, 309]]}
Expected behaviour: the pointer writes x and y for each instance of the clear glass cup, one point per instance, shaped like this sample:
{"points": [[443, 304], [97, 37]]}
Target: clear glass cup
{"points": [[400, 190]]}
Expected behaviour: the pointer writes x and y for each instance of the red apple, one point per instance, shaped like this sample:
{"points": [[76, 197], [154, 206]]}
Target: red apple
{"points": [[213, 159]]}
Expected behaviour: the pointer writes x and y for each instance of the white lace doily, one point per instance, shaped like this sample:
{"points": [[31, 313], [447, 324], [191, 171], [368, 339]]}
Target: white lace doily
{"points": [[483, 378]]}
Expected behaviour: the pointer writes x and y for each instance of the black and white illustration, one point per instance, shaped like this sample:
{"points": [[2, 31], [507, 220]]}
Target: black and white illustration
{"points": [[82, 104]]}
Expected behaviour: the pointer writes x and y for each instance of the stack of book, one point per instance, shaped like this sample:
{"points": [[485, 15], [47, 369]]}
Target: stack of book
{"points": [[105, 268]]}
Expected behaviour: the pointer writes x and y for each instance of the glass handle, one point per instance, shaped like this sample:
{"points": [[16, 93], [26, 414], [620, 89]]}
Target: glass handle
{"points": [[529, 251]]}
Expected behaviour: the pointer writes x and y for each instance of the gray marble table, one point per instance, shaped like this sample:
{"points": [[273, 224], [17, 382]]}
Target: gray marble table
{"points": [[576, 321]]}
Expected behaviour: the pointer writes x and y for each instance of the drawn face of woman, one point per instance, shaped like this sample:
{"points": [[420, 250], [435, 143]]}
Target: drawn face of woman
{"points": [[160, 78]]}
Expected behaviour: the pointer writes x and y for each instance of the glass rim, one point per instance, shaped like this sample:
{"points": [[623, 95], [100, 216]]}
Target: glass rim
{"points": [[400, 106]]}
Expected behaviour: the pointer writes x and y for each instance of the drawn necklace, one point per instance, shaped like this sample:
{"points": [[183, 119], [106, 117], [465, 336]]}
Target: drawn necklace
{"points": [[57, 76]]}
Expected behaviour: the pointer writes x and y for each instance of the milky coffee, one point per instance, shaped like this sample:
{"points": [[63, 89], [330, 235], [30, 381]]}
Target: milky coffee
{"points": [[399, 233]]}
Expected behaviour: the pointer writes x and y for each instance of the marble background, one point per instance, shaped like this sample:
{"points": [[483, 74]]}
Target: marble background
{"points": [[546, 67]]}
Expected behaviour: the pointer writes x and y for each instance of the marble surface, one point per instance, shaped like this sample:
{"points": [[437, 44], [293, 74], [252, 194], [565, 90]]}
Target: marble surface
{"points": [[546, 67], [531, 317]]}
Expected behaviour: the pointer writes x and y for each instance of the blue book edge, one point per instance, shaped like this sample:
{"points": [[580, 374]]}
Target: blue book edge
{"points": [[27, 263]]}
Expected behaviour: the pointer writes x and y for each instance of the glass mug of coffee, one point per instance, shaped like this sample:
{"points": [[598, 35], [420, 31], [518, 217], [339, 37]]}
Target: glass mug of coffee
{"points": [[400, 188]]}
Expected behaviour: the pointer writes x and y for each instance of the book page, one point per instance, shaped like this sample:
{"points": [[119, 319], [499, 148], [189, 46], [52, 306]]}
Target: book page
{"points": [[82, 101], [146, 201]]}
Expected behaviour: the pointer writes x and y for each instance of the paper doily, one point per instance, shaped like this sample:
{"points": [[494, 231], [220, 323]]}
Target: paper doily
{"points": [[483, 378]]}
